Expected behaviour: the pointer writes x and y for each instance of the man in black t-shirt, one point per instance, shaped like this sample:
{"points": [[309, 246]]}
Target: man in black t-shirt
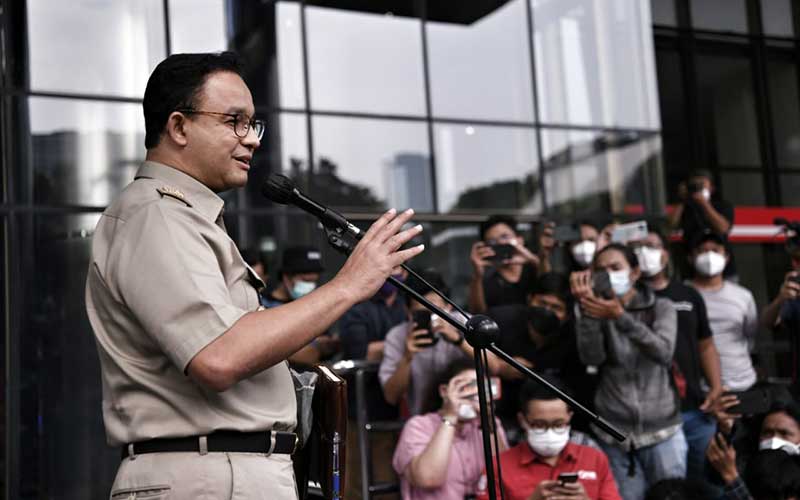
{"points": [[503, 268], [702, 210], [541, 336], [695, 355]]}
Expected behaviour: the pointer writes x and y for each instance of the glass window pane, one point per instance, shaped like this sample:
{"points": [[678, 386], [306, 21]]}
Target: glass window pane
{"points": [[592, 172], [777, 17], [482, 70], [785, 105], [288, 35], [727, 105], [197, 26], [742, 188], [790, 190], [663, 12], [63, 450], [674, 131], [719, 15], [365, 62], [371, 164], [84, 152], [480, 168], [595, 63], [113, 46]]}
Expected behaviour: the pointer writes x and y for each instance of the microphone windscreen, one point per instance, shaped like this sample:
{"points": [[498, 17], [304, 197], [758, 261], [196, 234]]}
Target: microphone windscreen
{"points": [[278, 188]]}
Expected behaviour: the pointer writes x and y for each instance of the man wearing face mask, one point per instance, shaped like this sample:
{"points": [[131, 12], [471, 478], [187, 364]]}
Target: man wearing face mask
{"points": [[701, 210], [541, 336], [731, 308], [629, 333], [301, 268], [532, 468], [695, 353], [582, 251]]}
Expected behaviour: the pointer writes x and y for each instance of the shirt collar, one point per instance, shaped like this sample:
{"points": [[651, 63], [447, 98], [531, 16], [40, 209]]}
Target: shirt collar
{"points": [[197, 194], [527, 456]]}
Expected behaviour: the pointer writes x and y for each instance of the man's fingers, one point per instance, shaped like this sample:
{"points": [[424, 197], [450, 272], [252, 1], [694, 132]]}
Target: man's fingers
{"points": [[394, 225], [379, 224], [409, 253], [402, 238]]}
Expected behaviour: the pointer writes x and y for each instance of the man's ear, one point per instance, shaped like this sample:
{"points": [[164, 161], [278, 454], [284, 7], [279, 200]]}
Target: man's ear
{"points": [[175, 128]]}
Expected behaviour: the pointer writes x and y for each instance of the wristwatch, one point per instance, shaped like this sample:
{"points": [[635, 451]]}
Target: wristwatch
{"points": [[452, 421]]}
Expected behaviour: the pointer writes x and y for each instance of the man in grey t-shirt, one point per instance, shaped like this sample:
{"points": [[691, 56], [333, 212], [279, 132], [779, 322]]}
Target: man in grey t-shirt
{"points": [[410, 360], [731, 308]]}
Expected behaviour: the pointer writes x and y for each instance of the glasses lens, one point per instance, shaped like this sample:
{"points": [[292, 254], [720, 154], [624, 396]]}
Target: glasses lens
{"points": [[561, 429], [258, 127]]}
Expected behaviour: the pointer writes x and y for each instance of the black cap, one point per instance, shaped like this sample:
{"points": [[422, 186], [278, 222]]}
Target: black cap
{"points": [[707, 235], [301, 259]]}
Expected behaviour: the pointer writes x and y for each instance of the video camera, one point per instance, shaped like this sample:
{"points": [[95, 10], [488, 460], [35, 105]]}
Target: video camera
{"points": [[792, 231]]}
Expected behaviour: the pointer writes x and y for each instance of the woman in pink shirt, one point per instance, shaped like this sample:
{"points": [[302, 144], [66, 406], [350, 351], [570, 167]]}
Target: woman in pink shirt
{"points": [[440, 453]]}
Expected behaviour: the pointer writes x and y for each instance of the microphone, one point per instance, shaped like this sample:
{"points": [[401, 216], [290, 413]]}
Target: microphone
{"points": [[281, 190]]}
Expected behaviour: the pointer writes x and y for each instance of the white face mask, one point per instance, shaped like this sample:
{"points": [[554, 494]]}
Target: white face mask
{"points": [[467, 412], [649, 260], [302, 288], [776, 443], [548, 444], [583, 252], [709, 263], [620, 282]]}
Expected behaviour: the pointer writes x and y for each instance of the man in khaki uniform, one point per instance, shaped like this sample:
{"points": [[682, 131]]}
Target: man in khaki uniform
{"points": [[196, 391]]}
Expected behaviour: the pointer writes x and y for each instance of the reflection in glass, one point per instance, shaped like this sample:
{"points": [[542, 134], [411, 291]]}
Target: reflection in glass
{"points": [[591, 172], [371, 164], [785, 105], [482, 168], [595, 63], [84, 152], [113, 46], [64, 450], [365, 62], [197, 26], [288, 36], [741, 188], [482, 70], [728, 107], [663, 12], [777, 17], [719, 15], [675, 132]]}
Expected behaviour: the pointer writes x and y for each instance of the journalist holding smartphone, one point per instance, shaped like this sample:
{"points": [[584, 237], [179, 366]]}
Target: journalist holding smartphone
{"points": [[622, 327]]}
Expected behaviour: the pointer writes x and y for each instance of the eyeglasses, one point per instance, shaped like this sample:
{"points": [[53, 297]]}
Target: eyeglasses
{"points": [[241, 125], [540, 426]]}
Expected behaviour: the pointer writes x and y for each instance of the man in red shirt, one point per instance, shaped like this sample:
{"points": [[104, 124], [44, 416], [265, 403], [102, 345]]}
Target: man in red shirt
{"points": [[531, 469]]}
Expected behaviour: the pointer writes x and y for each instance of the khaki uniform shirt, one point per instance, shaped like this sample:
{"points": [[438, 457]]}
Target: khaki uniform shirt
{"points": [[164, 281]]}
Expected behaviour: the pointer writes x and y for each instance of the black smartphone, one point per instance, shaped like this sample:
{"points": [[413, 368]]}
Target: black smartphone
{"points": [[566, 233], [502, 251], [752, 402], [601, 285], [422, 318], [567, 477]]}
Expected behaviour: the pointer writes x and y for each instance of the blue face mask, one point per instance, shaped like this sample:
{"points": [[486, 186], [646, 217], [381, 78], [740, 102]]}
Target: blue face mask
{"points": [[620, 282], [302, 288]]}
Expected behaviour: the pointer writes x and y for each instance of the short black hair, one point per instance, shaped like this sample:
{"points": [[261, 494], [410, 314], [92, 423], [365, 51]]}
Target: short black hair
{"points": [[701, 172], [494, 220], [551, 284], [773, 474], [430, 275], [626, 251], [176, 83], [433, 400], [533, 390], [791, 408]]}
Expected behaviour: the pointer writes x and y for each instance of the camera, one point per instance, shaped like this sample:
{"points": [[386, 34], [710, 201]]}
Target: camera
{"points": [[502, 251], [694, 187]]}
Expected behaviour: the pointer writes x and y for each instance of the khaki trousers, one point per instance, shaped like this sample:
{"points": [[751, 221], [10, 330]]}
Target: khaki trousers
{"points": [[213, 476]]}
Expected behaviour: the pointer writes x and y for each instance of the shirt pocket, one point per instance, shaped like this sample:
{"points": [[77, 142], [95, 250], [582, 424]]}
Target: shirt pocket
{"points": [[155, 492]]}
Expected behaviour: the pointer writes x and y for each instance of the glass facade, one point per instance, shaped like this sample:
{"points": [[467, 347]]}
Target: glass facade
{"points": [[528, 107]]}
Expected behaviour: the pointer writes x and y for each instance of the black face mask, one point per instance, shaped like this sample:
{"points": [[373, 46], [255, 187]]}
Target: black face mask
{"points": [[544, 321]]}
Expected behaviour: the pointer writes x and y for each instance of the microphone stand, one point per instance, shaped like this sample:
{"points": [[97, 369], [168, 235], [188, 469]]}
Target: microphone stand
{"points": [[481, 333]]}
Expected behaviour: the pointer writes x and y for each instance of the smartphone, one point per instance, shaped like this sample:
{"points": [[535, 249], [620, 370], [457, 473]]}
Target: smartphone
{"points": [[566, 233], [567, 477], [422, 317], [694, 187], [632, 231], [502, 251], [752, 402], [494, 383], [601, 285]]}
